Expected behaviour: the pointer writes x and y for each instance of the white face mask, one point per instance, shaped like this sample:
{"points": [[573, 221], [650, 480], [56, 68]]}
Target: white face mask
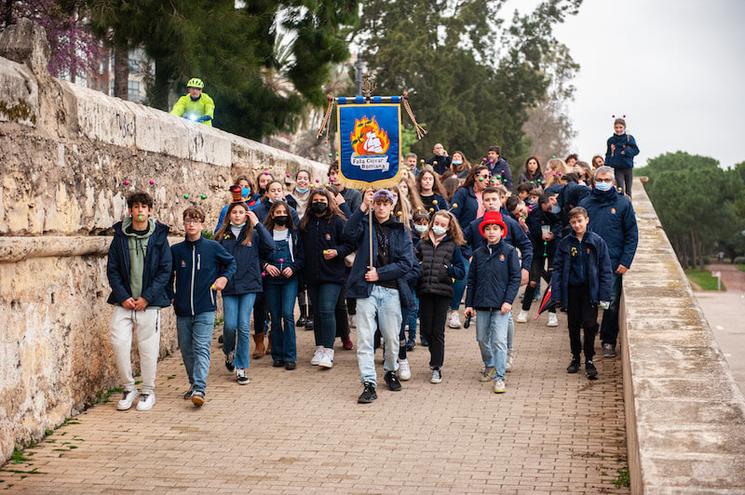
{"points": [[420, 228], [439, 230]]}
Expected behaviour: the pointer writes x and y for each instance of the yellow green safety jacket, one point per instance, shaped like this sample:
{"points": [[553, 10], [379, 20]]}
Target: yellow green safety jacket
{"points": [[194, 110]]}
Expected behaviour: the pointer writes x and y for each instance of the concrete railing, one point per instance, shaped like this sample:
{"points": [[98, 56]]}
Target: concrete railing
{"points": [[685, 416]]}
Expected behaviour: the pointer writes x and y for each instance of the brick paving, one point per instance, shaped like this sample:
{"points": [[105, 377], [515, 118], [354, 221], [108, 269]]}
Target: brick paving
{"points": [[303, 432]]}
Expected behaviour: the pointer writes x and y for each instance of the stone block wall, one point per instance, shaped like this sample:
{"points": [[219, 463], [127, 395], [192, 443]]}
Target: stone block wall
{"points": [[65, 152]]}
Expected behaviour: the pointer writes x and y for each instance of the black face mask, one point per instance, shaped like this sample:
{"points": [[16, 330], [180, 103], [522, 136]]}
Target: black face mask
{"points": [[318, 208], [281, 220]]}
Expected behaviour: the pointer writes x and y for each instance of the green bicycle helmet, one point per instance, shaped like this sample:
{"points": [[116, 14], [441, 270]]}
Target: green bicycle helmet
{"points": [[195, 82]]}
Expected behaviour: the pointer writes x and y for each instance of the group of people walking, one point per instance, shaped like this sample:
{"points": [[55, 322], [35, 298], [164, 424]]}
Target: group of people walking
{"points": [[387, 262]]}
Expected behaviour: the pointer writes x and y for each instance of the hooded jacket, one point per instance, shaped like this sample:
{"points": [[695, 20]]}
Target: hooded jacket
{"points": [[598, 268], [612, 217], [156, 269]]}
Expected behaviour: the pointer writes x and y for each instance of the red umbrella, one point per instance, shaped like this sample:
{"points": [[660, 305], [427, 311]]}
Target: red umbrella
{"points": [[546, 302]]}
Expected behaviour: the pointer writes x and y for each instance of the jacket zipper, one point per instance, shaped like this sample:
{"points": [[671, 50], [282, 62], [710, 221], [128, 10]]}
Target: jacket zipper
{"points": [[193, 267]]}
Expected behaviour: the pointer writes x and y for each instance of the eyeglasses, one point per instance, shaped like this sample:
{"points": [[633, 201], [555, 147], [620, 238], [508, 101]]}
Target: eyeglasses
{"points": [[604, 180], [191, 221]]}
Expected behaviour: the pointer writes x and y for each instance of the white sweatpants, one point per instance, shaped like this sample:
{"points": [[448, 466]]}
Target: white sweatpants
{"points": [[147, 326]]}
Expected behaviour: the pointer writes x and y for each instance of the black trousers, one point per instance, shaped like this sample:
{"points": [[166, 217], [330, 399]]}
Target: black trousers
{"points": [[433, 311], [609, 326], [624, 179], [538, 271], [260, 314], [582, 315]]}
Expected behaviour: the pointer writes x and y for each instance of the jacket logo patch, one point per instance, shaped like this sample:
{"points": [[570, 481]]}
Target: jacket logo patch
{"points": [[612, 211], [501, 257], [574, 251], [183, 264], [587, 250], [327, 236]]}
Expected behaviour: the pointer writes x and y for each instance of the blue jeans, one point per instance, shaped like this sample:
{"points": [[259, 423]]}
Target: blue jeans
{"points": [[381, 310], [280, 301], [194, 339], [411, 318], [237, 313], [491, 334], [510, 332], [459, 287], [323, 298]]}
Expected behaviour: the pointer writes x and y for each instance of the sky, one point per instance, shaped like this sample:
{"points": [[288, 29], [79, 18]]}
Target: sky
{"points": [[676, 69]]}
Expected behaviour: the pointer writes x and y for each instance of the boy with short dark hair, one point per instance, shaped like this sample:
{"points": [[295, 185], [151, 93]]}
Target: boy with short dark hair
{"points": [[201, 268], [581, 281], [138, 269]]}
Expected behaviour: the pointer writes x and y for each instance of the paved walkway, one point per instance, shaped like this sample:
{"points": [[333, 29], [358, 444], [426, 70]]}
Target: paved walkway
{"points": [[303, 432]]}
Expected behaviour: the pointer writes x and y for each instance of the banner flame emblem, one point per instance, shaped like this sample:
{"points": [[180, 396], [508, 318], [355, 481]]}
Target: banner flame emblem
{"points": [[368, 138]]}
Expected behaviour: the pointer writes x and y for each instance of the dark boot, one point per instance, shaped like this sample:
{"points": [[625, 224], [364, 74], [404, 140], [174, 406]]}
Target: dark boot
{"points": [[303, 316]]}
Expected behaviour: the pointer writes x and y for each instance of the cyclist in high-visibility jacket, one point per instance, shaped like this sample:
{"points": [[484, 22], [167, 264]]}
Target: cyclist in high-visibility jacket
{"points": [[196, 105]]}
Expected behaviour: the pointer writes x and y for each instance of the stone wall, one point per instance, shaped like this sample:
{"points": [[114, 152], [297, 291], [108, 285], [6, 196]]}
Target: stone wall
{"points": [[66, 154], [685, 416]]}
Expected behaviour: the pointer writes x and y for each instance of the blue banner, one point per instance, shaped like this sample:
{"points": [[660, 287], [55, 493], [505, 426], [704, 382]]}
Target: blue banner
{"points": [[369, 137]]}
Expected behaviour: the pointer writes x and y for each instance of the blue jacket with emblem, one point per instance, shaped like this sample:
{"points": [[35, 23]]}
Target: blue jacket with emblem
{"points": [[515, 237], [196, 266], [247, 276], [494, 277], [321, 234], [612, 217], [622, 156], [598, 268], [464, 205]]}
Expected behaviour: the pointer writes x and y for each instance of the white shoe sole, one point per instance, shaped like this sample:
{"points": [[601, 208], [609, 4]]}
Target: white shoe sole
{"points": [[327, 366], [127, 407], [145, 408]]}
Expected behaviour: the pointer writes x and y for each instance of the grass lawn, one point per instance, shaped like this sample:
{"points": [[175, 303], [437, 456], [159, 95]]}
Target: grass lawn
{"points": [[703, 279]]}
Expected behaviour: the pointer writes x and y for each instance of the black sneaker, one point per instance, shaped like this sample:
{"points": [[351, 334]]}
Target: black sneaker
{"points": [[573, 366], [391, 379], [309, 324], [591, 371], [609, 351], [220, 340], [290, 365], [368, 394], [300, 322], [229, 362], [278, 364], [410, 345], [187, 394], [197, 398]]}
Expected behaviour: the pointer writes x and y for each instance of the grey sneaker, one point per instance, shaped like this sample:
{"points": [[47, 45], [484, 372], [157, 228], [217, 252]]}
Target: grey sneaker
{"points": [[609, 351], [488, 375], [436, 376]]}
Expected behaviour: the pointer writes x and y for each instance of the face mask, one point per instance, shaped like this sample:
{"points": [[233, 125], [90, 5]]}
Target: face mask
{"points": [[438, 231], [238, 225], [318, 208], [556, 209], [302, 190], [421, 229], [245, 191], [603, 186], [281, 220], [457, 162]]}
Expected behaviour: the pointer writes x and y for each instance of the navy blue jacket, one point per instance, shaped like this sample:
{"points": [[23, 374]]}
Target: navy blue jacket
{"points": [[626, 150], [442, 203], [156, 271], [247, 276], [536, 220], [612, 217], [501, 169], [297, 263], [402, 261], [468, 205], [494, 277], [443, 163], [321, 234], [599, 274], [261, 209], [196, 266], [515, 237]]}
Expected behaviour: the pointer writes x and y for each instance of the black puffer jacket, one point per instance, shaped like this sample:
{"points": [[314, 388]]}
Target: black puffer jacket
{"points": [[439, 265]]}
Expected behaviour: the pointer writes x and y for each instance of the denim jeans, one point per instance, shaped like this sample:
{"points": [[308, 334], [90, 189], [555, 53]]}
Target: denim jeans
{"points": [[459, 287], [381, 310], [510, 332], [609, 325], [237, 313], [323, 298], [280, 301], [491, 334], [411, 319], [194, 339]]}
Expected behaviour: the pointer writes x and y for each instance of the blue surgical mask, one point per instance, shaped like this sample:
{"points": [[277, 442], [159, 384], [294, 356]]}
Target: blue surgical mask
{"points": [[603, 186], [457, 162], [245, 191], [302, 190], [421, 229], [437, 230], [556, 209]]}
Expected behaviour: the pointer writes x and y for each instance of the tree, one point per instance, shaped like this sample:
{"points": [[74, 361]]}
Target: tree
{"points": [[468, 93]]}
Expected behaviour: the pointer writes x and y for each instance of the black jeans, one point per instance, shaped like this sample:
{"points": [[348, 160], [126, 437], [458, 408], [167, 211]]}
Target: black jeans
{"points": [[260, 315], [624, 179], [609, 325], [537, 271], [582, 314], [433, 311], [340, 311]]}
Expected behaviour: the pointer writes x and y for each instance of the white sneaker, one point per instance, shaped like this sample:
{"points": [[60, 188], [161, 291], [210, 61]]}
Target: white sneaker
{"points": [[241, 377], [553, 321], [404, 370], [350, 321], [147, 401], [522, 316], [128, 397], [317, 356], [454, 319], [508, 364], [436, 376], [327, 359], [499, 387]]}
